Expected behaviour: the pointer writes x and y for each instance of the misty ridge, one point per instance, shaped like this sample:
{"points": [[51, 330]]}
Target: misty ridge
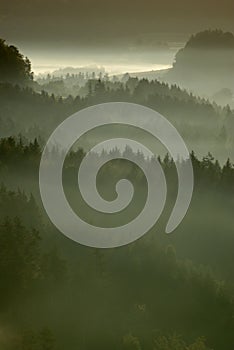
{"points": [[206, 65], [144, 284], [37, 107], [162, 292]]}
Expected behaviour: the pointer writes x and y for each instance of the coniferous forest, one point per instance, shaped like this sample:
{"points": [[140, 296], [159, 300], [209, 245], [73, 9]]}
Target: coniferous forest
{"points": [[161, 292]]}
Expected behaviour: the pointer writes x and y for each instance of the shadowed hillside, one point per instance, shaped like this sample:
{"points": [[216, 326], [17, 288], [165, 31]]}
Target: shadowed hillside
{"points": [[206, 63]]}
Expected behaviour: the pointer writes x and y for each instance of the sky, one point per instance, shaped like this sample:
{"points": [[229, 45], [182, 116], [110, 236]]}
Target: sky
{"points": [[124, 34]]}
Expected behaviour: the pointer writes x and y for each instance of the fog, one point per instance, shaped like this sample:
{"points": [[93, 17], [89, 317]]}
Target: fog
{"points": [[114, 61], [162, 291]]}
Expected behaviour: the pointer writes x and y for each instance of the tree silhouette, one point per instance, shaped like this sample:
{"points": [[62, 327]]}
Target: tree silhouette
{"points": [[14, 67]]}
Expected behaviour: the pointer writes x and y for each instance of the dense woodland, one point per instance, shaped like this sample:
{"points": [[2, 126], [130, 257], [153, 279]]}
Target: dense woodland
{"points": [[205, 65], [162, 292], [205, 126]]}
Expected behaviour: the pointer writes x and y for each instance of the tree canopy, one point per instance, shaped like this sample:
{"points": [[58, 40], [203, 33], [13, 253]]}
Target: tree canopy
{"points": [[14, 67]]}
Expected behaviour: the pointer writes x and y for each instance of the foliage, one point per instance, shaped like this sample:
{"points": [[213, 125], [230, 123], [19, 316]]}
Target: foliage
{"points": [[14, 67]]}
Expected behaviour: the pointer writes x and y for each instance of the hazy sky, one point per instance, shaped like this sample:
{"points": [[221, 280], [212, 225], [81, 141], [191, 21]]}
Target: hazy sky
{"points": [[113, 33]]}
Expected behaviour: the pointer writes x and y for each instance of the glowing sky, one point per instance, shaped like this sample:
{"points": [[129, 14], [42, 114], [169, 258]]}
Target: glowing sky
{"points": [[123, 34]]}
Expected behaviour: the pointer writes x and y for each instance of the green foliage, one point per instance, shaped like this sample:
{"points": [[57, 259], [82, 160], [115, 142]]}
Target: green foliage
{"points": [[176, 342], [200, 122], [53, 268], [131, 343], [23, 260], [116, 297], [18, 204], [19, 258], [102, 299], [43, 340], [14, 67]]}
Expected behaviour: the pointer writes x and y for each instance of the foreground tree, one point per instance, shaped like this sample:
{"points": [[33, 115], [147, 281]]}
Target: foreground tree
{"points": [[14, 67], [19, 258]]}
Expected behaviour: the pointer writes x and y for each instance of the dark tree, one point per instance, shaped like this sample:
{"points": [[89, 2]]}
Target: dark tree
{"points": [[14, 67]]}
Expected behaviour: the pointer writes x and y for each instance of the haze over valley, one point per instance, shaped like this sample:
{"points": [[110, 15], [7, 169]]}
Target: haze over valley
{"points": [[161, 291]]}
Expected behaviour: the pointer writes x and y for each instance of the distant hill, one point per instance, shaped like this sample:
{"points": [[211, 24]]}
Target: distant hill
{"points": [[76, 70], [150, 75], [204, 127], [206, 63]]}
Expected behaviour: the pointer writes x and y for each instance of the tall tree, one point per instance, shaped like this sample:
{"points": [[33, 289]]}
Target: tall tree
{"points": [[14, 67]]}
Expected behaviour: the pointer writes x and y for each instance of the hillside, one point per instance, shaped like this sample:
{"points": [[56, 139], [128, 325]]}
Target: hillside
{"points": [[14, 67], [205, 127], [206, 63], [149, 292]]}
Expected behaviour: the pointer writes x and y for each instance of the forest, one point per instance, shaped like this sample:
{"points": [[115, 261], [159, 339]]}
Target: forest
{"points": [[162, 292]]}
